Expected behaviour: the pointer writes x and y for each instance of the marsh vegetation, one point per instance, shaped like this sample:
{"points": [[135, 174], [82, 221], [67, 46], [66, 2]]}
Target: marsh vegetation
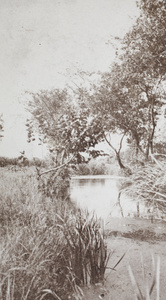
{"points": [[50, 249], [48, 246]]}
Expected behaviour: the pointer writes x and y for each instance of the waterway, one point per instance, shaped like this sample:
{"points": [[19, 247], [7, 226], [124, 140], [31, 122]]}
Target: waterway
{"points": [[99, 194]]}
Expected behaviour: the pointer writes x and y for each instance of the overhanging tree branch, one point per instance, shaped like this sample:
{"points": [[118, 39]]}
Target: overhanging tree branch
{"points": [[56, 168]]}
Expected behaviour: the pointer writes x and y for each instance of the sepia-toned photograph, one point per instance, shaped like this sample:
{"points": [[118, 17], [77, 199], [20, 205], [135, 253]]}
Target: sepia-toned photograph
{"points": [[82, 149]]}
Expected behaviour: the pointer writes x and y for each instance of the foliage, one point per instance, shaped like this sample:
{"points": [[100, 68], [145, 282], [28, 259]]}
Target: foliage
{"points": [[153, 12], [5, 161], [87, 247], [48, 247], [129, 98], [99, 166], [129, 101], [55, 184], [147, 184], [63, 121], [83, 169], [72, 128], [143, 68], [160, 148]]}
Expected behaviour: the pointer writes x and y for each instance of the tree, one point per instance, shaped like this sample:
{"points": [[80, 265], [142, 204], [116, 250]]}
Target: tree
{"points": [[153, 18], [64, 122], [127, 100], [131, 95], [144, 52]]}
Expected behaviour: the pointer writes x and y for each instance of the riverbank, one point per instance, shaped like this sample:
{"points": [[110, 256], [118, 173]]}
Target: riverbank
{"points": [[97, 177], [127, 226], [142, 243]]}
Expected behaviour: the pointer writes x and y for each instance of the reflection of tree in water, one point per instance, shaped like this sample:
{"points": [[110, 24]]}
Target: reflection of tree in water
{"points": [[119, 203], [91, 181], [101, 181]]}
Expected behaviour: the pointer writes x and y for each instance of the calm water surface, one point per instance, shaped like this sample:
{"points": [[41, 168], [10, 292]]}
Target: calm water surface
{"points": [[99, 194]]}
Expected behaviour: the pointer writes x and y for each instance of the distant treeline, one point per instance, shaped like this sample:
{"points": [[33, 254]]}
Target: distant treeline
{"points": [[6, 161]]}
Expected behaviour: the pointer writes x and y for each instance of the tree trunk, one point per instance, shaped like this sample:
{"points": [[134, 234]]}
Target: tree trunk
{"points": [[147, 152], [117, 152], [138, 212], [119, 160], [151, 125]]}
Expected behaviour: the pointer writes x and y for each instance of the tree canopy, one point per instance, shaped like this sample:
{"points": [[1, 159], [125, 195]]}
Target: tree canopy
{"points": [[127, 100], [64, 122]]}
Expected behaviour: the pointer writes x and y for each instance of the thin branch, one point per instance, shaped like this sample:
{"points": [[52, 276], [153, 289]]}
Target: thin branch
{"points": [[159, 154], [121, 141], [57, 168], [120, 146], [156, 193], [109, 143], [155, 160]]}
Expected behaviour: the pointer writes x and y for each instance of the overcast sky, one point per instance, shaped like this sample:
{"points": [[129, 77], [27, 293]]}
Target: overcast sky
{"points": [[43, 43]]}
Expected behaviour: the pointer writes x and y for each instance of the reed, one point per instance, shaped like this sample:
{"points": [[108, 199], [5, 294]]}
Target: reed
{"points": [[148, 289], [86, 241], [48, 248], [147, 185]]}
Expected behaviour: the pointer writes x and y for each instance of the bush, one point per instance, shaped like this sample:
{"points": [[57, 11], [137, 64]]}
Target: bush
{"points": [[55, 184], [98, 166], [83, 169]]}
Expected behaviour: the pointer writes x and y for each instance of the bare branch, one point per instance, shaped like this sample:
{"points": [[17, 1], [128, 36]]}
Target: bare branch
{"points": [[56, 168], [109, 143]]}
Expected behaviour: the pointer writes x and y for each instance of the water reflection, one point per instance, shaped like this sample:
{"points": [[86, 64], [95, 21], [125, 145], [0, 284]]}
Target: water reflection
{"points": [[100, 194]]}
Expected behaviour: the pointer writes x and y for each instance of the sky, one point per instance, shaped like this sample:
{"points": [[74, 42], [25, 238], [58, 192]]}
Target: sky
{"points": [[43, 44]]}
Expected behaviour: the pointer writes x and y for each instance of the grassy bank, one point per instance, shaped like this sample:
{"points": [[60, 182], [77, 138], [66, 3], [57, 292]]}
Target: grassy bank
{"points": [[49, 249]]}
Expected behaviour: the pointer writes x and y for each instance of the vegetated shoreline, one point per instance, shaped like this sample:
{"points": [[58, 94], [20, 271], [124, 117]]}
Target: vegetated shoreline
{"points": [[137, 229], [96, 177], [140, 243], [21, 203]]}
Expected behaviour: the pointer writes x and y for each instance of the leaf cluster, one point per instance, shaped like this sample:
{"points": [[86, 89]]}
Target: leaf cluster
{"points": [[62, 122]]}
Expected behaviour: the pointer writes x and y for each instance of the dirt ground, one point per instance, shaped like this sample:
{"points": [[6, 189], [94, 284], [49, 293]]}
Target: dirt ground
{"points": [[142, 242]]}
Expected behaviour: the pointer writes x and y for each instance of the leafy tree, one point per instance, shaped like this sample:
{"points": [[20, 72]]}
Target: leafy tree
{"points": [[134, 106], [153, 18], [130, 96], [64, 122], [127, 100]]}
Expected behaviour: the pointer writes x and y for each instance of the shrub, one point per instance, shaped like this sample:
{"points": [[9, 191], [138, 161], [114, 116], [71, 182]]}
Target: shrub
{"points": [[83, 169], [55, 184], [98, 166]]}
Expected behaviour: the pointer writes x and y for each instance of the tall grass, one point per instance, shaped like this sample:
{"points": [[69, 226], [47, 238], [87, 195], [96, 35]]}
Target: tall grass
{"points": [[48, 247], [147, 184]]}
